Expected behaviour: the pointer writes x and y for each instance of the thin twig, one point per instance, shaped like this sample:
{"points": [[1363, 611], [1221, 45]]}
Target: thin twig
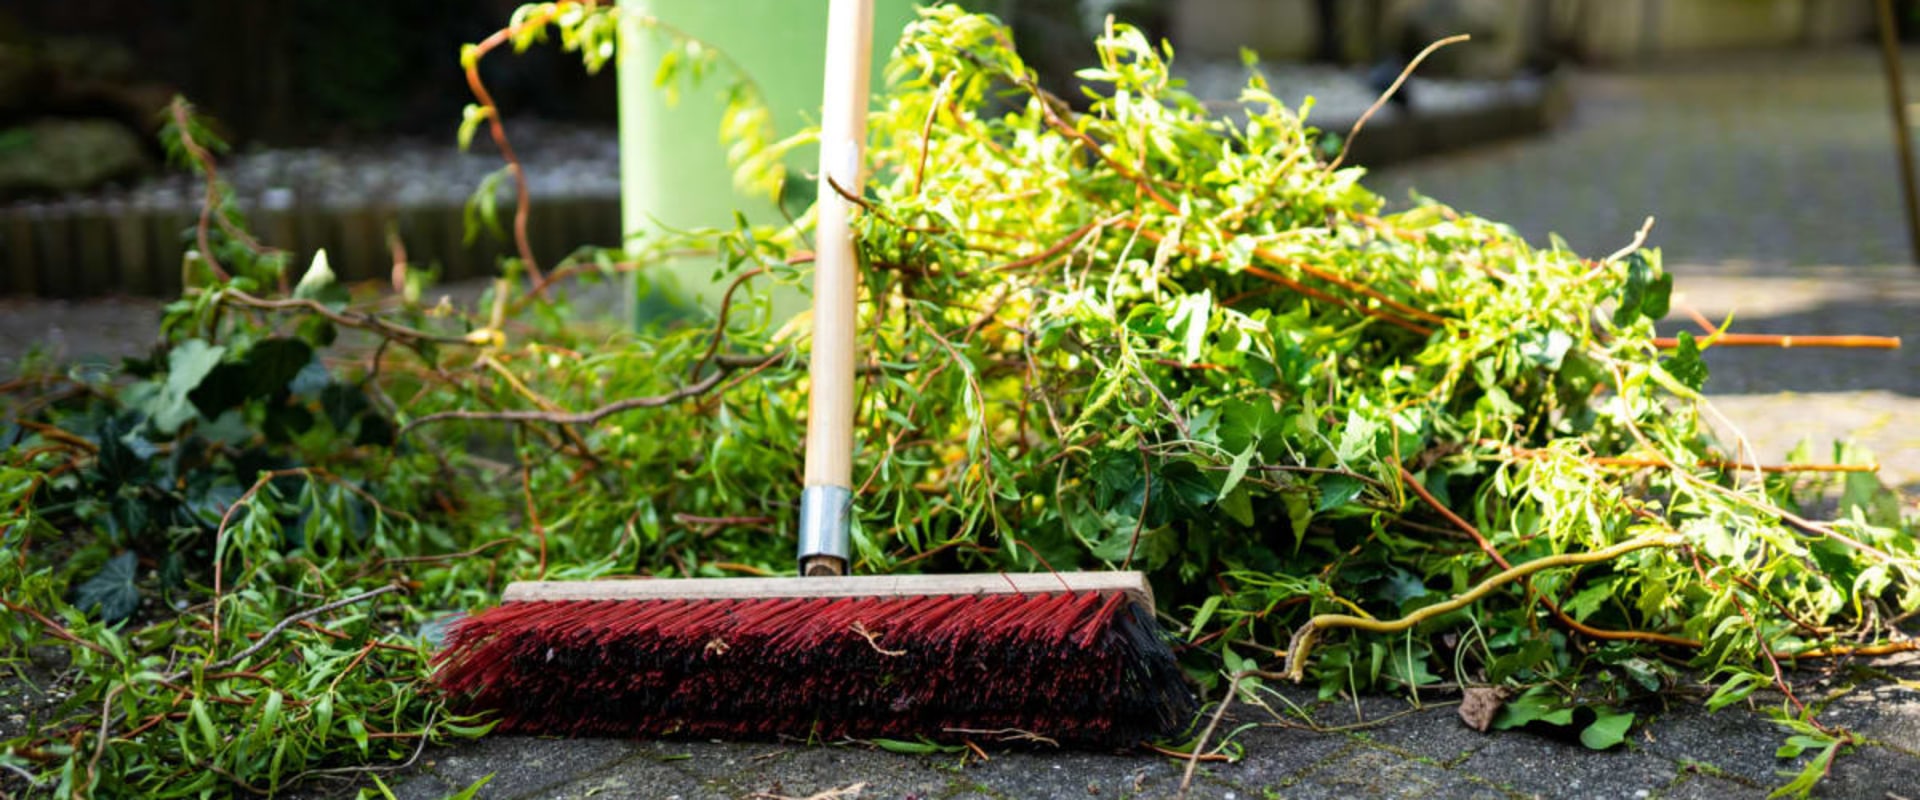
{"points": [[55, 628], [498, 130], [350, 319], [1559, 614], [589, 417], [1784, 341], [183, 125], [1382, 100], [1639, 238], [1380, 314], [1213, 722], [720, 322], [32, 783], [418, 748], [1721, 463], [107, 721], [1054, 249], [310, 613]]}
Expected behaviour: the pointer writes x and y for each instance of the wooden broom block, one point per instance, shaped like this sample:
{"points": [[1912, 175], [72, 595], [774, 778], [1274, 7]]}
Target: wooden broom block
{"points": [[1134, 584]]}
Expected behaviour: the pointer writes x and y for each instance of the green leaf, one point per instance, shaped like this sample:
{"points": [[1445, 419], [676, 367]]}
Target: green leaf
{"points": [[1734, 690], [1236, 470], [111, 592], [1245, 424], [919, 747], [319, 284], [265, 371], [204, 721], [1809, 776], [1205, 613], [1588, 600], [1686, 365], [1238, 505], [1609, 728], [473, 789], [187, 365], [1357, 437], [470, 119], [1535, 705], [1643, 295], [1337, 491], [1299, 507]]}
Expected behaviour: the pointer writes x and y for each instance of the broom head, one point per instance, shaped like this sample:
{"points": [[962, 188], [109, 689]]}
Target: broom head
{"points": [[1076, 658]]}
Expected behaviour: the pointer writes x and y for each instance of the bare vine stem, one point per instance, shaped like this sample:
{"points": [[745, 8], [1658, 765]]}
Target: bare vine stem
{"points": [[1308, 634], [1384, 96], [496, 129], [694, 389]]}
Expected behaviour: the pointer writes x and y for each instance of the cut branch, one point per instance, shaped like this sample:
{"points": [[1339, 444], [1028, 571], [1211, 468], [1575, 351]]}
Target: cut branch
{"points": [[1384, 96], [1307, 635], [1785, 341], [695, 389]]}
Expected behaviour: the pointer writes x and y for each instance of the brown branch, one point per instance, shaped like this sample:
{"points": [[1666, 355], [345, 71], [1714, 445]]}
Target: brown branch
{"points": [[1382, 100], [498, 130], [1057, 247], [1784, 341], [1718, 463], [350, 319], [589, 417], [59, 631], [720, 323], [1274, 277], [1485, 546], [1416, 313], [282, 625], [1049, 109], [1307, 635], [181, 111]]}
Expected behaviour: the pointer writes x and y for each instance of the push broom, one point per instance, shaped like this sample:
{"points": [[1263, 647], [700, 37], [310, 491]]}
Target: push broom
{"points": [[1074, 657]]}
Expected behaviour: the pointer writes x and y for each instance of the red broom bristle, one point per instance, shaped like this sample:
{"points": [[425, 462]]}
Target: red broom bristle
{"points": [[1087, 668]]}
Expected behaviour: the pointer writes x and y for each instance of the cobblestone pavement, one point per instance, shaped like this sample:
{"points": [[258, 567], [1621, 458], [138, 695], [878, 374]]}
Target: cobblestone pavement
{"points": [[1772, 181]]}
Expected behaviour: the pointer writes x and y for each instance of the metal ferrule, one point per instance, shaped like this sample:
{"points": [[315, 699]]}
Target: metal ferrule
{"points": [[824, 515]]}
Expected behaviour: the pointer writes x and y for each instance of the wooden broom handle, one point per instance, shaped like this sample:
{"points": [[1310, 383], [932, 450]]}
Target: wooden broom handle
{"points": [[843, 135]]}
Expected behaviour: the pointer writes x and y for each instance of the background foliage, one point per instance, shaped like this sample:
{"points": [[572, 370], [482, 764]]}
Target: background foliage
{"points": [[1143, 336]]}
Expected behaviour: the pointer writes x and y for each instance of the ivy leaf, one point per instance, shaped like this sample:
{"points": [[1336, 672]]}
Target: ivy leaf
{"points": [[1686, 365], [1238, 505], [1356, 439], [110, 592], [1536, 705], [1337, 491], [1236, 471], [187, 365], [1588, 600], [1609, 728], [265, 371], [1400, 587], [1246, 424], [1643, 295], [1300, 513], [1180, 491], [1546, 351]]}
